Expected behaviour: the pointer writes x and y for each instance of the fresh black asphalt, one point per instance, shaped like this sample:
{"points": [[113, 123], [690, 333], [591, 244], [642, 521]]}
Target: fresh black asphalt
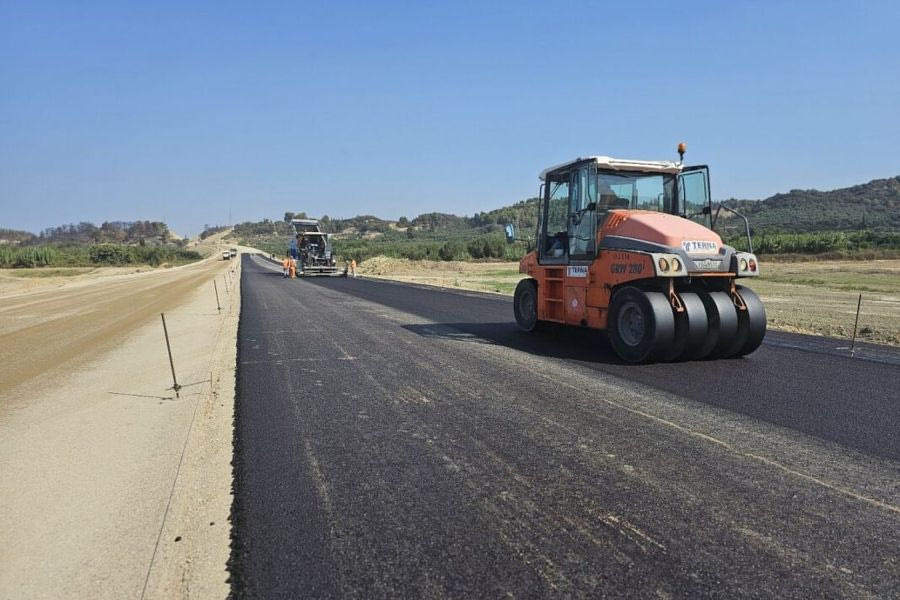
{"points": [[398, 441]]}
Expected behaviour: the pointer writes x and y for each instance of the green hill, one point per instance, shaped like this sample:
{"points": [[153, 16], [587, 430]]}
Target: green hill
{"points": [[874, 205]]}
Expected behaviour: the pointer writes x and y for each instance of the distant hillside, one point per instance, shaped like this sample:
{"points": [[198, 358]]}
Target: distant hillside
{"points": [[14, 237], [850, 220], [874, 205]]}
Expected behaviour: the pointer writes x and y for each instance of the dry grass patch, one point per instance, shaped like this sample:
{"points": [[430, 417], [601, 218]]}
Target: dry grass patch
{"points": [[806, 297]]}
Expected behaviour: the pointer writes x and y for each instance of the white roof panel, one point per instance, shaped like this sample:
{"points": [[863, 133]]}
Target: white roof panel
{"points": [[621, 164]]}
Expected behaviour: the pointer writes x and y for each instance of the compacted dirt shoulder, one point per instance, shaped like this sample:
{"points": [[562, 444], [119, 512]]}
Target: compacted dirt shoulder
{"points": [[111, 485]]}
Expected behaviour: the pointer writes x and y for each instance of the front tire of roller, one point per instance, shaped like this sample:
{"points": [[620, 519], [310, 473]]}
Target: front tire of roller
{"points": [[525, 305], [641, 324], [723, 324], [691, 327], [751, 323]]}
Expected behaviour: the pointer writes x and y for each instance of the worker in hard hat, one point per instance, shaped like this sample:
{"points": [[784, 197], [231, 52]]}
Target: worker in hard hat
{"points": [[286, 266]]}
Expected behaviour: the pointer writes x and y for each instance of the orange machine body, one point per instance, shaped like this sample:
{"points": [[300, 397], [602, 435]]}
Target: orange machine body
{"points": [[579, 294]]}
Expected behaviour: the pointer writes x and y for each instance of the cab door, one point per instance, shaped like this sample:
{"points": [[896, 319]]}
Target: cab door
{"points": [[694, 200], [582, 234], [553, 241]]}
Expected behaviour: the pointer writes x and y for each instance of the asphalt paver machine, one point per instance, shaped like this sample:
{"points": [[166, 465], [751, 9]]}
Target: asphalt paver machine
{"points": [[313, 251]]}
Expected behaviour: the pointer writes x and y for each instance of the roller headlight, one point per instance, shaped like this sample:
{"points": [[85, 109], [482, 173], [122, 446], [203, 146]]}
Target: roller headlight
{"points": [[745, 264], [668, 265]]}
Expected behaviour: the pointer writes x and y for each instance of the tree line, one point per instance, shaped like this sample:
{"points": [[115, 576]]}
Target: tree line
{"points": [[123, 232]]}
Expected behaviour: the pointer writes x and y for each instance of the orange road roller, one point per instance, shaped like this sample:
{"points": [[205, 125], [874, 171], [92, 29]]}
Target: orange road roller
{"points": [[629, 247]]}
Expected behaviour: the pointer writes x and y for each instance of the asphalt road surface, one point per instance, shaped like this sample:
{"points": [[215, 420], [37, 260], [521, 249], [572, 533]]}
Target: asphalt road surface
{"points": [[398, 441]]}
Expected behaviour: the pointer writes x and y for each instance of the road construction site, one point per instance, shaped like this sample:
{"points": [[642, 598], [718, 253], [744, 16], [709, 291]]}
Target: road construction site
{"points": [[395, 440]]}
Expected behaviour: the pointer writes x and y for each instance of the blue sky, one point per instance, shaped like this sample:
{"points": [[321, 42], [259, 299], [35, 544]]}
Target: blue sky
{"points": [[182, 111]]}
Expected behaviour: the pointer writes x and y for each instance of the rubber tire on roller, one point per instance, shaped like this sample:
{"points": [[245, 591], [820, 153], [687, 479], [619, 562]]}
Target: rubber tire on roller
{"points": [[691, 327], [525, 304], [751, 324], [658, 324], [723, 324]]}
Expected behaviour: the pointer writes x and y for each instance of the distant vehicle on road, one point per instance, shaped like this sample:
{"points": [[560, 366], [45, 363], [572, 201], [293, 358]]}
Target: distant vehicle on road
{"points": [[628, 246], [312, 249], [226, 255]]}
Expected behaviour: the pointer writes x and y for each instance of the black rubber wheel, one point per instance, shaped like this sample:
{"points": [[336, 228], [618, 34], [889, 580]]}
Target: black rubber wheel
{"points": [[525, 304], [723, 324], [690, 329], [641, 325], [751, 324]]}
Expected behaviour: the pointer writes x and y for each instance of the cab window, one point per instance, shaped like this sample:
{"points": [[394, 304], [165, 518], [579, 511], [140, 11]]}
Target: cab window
{"points": [[636, 191], [555, 242], [582, 226]]}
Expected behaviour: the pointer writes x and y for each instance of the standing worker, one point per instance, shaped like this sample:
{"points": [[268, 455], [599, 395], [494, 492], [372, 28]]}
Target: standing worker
{"points": [[293, 268], [353, 267], [285, 266]]}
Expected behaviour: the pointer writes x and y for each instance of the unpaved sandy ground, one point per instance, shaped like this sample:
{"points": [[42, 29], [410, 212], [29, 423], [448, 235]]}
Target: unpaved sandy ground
{"points": [[110, 485], [816, 297], [15, 281]]}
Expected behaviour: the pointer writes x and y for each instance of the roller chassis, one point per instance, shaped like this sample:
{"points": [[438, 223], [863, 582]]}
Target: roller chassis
{"points": [[630, 248], [650, 317]]}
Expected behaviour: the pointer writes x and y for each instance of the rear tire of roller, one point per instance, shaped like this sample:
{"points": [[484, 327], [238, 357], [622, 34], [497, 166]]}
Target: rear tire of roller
{"points": [[525, 305]]}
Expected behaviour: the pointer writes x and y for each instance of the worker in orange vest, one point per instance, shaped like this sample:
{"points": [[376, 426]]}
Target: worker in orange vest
{"points": [[353, 268], [293, 268], [286, 266]]}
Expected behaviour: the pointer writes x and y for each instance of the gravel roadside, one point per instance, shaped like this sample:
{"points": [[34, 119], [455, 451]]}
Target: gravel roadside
{"points": [[110, 485]]}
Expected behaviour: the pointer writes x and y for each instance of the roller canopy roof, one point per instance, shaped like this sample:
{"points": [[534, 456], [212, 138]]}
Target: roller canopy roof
{"points": [[619, 164]]}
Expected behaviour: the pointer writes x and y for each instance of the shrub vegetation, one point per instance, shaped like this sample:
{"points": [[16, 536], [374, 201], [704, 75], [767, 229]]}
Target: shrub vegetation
{"points": [[77, 255]]}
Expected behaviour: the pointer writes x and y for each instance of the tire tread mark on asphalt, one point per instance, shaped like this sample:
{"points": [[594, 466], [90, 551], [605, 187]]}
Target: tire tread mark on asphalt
{"points": [[754, 456], [757, 457], [823, 393], [319, 479], [514, 522], [312, 462], [623, 530], [630, 531], [722, 444], [528, 550]]}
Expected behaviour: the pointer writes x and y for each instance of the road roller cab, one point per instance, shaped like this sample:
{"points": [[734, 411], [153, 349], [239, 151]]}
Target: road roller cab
{"points": [[630, 247]]}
